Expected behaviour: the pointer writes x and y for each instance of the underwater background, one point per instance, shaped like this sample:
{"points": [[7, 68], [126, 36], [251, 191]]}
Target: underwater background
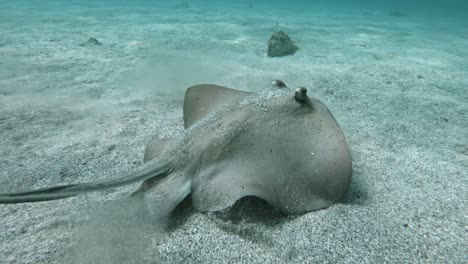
{"points": [[84, 85]]}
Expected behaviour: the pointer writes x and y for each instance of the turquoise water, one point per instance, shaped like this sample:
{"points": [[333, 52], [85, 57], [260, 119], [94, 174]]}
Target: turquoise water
{"points": [[393, 73], [442, 8]]}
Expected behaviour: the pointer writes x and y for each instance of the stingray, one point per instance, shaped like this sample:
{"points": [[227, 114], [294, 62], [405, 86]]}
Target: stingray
{"points": [[280, 145]]}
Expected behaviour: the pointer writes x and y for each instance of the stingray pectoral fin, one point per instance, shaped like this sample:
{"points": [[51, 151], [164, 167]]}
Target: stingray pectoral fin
{"points": [[200, 100], [167, 192], [149, 170]]}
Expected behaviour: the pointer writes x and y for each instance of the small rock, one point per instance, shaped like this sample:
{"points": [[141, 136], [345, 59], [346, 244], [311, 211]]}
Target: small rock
{"points": [[397, 13], [92, 42], [280, 45], [111, 147], [184, 4]]}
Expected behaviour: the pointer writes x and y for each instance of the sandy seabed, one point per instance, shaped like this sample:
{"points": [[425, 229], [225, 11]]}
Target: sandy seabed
{"points": [[397, 84]]}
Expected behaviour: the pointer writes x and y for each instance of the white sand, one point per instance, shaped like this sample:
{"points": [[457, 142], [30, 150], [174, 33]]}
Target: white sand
{"points": [[71, 113]]}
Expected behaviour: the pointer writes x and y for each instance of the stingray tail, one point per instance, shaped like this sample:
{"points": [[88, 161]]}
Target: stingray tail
{"points": [[149, 170]]}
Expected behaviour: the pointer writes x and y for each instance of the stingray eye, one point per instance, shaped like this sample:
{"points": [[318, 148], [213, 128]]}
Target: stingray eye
{"points": [[301, 97], [278, 84]]}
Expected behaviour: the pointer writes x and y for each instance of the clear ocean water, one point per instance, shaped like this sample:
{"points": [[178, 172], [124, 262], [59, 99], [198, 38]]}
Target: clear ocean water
{"points": [[85, 85]]}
